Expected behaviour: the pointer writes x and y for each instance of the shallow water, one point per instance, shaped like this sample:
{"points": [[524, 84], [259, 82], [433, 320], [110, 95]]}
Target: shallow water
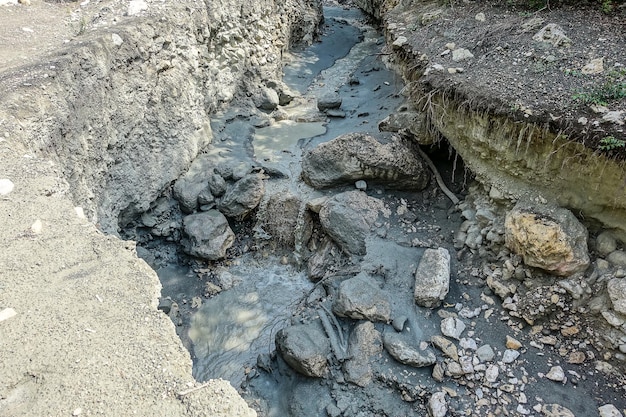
{"points": [[233, 328]]}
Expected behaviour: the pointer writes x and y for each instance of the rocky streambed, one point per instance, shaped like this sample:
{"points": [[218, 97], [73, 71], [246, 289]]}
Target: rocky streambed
{"points": [[328, 271], [319, 242]]}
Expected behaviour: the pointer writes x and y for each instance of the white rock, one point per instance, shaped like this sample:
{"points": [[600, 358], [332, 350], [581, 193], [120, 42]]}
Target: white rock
{"points": [[480, 17], [79, 212], [117, 39], [492, 372], [136, 6], [400, 40], [556, 374], [616, 117], [361, 185], [437, 406], [452, 327], [6, 186], [609, 410], [510, 355], [595, 66], [37, 227], [461, 54], [7, 313]]}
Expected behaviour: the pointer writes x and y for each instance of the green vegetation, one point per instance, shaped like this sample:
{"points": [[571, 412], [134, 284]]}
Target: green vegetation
{"points": [[602, 95], [611, 143]]}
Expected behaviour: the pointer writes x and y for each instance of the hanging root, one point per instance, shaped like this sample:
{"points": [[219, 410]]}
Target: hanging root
{"points": [[440, 182]]}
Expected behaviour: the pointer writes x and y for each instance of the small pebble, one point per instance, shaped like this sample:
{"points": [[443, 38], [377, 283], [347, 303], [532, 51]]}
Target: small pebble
{"points": [[6, 186]]}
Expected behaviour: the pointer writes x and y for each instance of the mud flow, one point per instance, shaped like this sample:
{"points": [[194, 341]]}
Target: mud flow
{"points": [[302, 291]]}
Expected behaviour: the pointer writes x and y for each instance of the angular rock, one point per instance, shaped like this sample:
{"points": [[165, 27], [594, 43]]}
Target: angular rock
{"points": [[243, 197], [556, 410], [304, 348], [452, 327], [348, 217], [446, 346], [365, 342], [432, 278], [510, 356], [437, 406], [609, 410], [556, 373], [485, 353], [512, 343], [329, 101], [267, 99], [217, 184], [617, 293], [382, 158], [491, 373], [189, 186], [461, 54], [547, 237], [208, 235], [402, 351], [361, 298], [554, 34]]}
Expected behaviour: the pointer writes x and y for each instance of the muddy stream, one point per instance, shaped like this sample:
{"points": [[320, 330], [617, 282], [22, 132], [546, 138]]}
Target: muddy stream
{"points": [[228, 312]]}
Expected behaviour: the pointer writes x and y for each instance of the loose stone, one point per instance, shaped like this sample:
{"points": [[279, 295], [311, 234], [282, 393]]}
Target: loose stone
{"points": [[452, 327], [556, 374], [510, 356]]}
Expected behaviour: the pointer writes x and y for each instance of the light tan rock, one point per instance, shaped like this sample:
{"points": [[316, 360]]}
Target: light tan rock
{"points": [[547, 237]]}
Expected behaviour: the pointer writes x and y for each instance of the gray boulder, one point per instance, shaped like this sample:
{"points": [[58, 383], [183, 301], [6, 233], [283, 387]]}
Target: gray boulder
{"points": [[383, 158], [365, 342], [208, 235], [267, 99], [305, 348], [361, 298], [547, 237], [432, 278], [348, 217], [329, 101], [243, 196], [403, 351]]}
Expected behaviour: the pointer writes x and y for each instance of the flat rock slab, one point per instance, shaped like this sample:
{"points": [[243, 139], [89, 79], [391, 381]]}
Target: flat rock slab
{"points": [[547, 237], [365, 342], [361, 298], [208, 235], [382, 158], [404, 352], [432, 278], [305, 348]]}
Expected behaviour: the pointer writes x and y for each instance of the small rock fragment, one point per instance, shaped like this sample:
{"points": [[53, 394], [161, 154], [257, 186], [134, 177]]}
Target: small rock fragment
{"points": [[437, 406], [446, 346], [556, 410], [509, 356], [556, 374], [452, 327], [609, 410], [485, 353], [7, 313], [512, 343], [6, 186]]}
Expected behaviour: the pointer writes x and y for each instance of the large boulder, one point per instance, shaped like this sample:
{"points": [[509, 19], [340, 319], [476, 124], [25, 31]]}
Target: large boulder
{"points": [[305, 348], [243, 197], [547, 237], [348, 217], [383, 158], [432, 278], [365, 342], [208, 235], [361, 298]]}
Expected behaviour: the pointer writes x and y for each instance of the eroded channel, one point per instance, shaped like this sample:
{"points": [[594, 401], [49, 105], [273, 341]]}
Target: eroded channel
{"points": [[271, 237]]}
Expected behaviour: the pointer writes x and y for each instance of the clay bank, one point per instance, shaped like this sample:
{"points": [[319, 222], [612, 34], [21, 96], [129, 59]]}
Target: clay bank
{"points": [[187, 132]]}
